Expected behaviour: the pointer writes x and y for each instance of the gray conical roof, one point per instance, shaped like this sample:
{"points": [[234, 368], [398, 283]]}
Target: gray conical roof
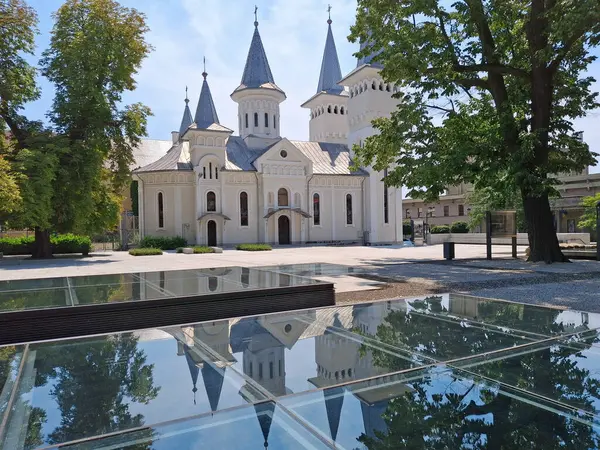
{"points": [[334, 400], [257, 71], [194, 371], [206, 113], [368, 59], [330, 67], [186, 120], [213, 383]]}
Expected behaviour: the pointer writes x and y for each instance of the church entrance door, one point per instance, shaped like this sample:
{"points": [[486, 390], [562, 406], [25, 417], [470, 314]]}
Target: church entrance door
{"points": [[211, 231], [284, 230]]}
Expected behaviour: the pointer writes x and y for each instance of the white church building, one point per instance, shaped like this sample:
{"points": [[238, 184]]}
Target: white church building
{"points": [[216, 188]]}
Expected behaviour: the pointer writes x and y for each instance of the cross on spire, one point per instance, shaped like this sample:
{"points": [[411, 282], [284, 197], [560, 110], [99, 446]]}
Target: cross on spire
{"points": [[255, 16], [329, 12], [187, 100], [204, 74]]}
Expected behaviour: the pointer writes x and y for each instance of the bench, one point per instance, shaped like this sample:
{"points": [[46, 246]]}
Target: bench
{"points": [[449, 247]]}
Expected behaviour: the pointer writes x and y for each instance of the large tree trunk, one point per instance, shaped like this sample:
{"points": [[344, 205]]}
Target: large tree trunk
{"points": [[543, 243], [42, 247]]}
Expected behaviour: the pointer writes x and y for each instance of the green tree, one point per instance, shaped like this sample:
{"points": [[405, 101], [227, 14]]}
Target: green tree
{"points": [[588, 219], [489, 92], [487, 199], [94, 382], [431, 416], [96, 48]]}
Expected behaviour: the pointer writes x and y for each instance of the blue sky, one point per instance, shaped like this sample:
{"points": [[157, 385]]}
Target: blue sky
{"points": [[184, 31]]}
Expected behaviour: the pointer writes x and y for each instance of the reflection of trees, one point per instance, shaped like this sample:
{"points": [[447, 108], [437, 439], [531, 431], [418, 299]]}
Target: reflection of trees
{"points": [[442, 411], [93, 383]]}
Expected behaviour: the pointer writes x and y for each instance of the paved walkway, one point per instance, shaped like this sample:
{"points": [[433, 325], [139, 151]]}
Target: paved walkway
{"points": [[412, 270]]}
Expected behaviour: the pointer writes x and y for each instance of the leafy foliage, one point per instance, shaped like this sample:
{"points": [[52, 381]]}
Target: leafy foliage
{"points": [[489, 93], [73, 172], [440, 229], [459, 227], [163, 242], [61, 244], [588, 219], [203, 249], [254, 247], [146, 251], [406, 228]]}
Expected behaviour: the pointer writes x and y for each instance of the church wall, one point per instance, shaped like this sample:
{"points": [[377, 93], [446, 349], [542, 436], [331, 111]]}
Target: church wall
{"points": [[234, 184], [178, 204]]}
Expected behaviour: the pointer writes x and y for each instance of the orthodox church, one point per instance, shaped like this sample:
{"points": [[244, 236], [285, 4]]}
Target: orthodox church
{"points": [[216, 188]]}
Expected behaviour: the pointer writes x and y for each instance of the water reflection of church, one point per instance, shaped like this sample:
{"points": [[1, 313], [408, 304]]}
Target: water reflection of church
{"points": [[263, 342]]}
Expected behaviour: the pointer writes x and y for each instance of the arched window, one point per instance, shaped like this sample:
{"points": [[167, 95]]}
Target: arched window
{"points": [[161, 210], [342, 110], [329, 109], [216, 172], [244, 209], [387, 87], [274, 121], [211, 201], [374, 86], [266, 120], [204, 172], [335, 110], [246, 120], [213, 284], [282, 197], [386, 212], [210, 170], [245, 277], [316, 209], [255, 119], [349, 215]]}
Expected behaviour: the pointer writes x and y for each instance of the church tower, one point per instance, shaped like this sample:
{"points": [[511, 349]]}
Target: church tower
{"points": [[257, 96], [328, 107], [370, 98]]}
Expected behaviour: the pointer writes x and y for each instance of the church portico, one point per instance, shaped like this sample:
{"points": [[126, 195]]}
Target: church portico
{"points": [[258, 186]]}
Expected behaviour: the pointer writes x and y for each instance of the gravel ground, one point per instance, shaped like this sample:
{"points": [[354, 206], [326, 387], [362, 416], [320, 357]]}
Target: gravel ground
{"points": [[576, 286]]}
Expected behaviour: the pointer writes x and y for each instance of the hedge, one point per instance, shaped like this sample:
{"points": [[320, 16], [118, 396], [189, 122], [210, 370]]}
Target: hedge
{"points": [[60, 244], [145, 251], [254, 247], [163, 243], [459, 227], [440, 229], [203, 249], [406, 228]]}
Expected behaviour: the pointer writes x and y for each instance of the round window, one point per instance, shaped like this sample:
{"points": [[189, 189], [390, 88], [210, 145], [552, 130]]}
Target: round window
{"points": [[283, 153], [288, 328]]}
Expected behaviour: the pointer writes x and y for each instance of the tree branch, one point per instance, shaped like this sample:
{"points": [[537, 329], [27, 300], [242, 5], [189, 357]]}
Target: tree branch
{"points": [[493, 68], [569, 43]]}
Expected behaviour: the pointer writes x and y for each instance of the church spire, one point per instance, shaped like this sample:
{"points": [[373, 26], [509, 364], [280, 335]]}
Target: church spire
{"points": [[206, 114], [186, 120], [257, 71], [330, 67]]}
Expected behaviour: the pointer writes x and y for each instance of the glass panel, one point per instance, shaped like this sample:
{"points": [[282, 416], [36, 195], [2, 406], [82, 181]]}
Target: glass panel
{"points": [[34, 299], [516, 317], [261, 426], [111, 293], [43, 283], [85, 387], [438, 408]]}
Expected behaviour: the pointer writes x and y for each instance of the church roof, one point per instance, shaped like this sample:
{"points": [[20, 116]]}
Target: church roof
{"points": [[330, 67], [177, 158], [148, 151], [327, 159], [186, 120], [206, 113], [257, 72]]}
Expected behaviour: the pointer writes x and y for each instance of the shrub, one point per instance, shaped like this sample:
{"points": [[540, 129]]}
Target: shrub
{"points": [[459, 227], [440, 229], [203, 249], [164, 243], [406, 229], [254, 247], [62, 243], [179, 250], [146, 251]]}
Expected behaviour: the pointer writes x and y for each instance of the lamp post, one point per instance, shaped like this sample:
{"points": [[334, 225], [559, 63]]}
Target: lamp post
{"points": [[598, 231]]}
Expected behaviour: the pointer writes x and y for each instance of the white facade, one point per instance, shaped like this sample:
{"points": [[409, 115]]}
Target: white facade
{"points": [[214, 188]]}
